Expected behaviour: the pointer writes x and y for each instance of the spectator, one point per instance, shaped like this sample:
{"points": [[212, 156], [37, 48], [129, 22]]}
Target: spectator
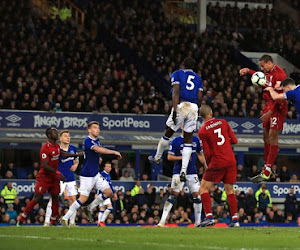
{"points": [[137, 189], [294, 178], [253, 172], [17, 205], [240, 176], [10, 167], [275, 174], [115, 172], [264, 200], [284, 175], [150, 195], [9, 193], [242, 216], [290, 204], [278, 218], [120, 205], [129, 169], [185, 219], [126, 177], [12, 214], [160, 198], [9, 175]]}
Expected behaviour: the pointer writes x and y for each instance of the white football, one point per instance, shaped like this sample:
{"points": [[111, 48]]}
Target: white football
{"points": [[258, 78]]}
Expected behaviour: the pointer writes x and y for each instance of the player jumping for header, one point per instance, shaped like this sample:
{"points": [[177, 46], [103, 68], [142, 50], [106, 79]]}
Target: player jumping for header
{"points": [[274, 113], [186, 96]]}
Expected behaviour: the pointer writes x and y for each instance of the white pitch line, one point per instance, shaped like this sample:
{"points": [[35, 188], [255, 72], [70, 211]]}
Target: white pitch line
{"points": [[124, 242]]}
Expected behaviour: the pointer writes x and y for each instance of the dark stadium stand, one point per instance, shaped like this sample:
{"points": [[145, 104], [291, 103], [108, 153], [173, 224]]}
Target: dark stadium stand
{"points": [[50, 65]]}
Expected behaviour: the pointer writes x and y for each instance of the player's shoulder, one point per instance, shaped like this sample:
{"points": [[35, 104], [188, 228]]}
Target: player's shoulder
{"points": [[72, 147]]}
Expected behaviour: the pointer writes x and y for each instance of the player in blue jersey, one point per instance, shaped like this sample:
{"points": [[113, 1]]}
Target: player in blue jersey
{"points": [[67, 166], [192, 181], [291, 92], [105, 206], [89, 175], [186, 96]]}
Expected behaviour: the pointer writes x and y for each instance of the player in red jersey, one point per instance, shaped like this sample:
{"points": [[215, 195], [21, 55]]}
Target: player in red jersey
{"points": [[48, 176], [217, 138], [274, 113]]}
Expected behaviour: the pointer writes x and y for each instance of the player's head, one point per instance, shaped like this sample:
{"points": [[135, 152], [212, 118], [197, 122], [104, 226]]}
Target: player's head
{"points": [[107, 167], [266, 63], [93, 128], [52, 133], [206, 112], [64, 137], [188, 63], [288, 84]]}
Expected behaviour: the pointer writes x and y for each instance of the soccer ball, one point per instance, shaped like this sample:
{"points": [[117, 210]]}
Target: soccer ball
{"points": [[258, 78]]}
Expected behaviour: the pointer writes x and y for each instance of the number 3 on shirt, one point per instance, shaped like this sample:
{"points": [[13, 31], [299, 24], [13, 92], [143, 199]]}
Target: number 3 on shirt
{"points": [[220, 136], [189, 81]]}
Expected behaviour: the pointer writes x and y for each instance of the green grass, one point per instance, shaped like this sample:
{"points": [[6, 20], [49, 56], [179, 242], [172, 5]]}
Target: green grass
{"points": [[148, 238]]}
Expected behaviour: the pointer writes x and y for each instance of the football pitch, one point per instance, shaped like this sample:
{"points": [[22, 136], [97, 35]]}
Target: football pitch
{"points": [[148, 238]]}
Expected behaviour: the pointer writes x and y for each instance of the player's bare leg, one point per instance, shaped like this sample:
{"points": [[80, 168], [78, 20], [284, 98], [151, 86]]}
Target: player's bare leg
{"points": [[163, 144], [232, 201], [29, 208], [186, 154], [107, 193], [54, 215], [206, 201], [271, 139]]}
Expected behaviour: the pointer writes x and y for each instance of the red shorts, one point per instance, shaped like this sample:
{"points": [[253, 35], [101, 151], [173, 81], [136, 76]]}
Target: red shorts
{"points": [[277, 118], [218, 174], [47, 185]]}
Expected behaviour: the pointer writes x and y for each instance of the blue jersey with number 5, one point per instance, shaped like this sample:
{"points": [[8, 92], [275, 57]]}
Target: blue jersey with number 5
{"points": [[190, 83]]}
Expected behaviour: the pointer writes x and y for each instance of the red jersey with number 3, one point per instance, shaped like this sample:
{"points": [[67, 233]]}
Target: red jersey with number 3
{"points": [[274, 77], [49, 153], [217, 136]]}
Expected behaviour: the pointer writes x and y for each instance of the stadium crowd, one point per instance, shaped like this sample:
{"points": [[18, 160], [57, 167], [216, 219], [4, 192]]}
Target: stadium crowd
{"points": [[263, 30], [138, 206], [42, 72]]}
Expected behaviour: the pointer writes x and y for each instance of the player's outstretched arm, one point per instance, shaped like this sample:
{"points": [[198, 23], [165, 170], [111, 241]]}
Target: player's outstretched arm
{"points": [[107, 151], [245, 71], [275, 96], [66, 154]]}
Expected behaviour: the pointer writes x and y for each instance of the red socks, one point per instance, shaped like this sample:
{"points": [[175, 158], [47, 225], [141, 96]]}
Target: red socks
{"points": [[266, 151], [272, 155], [27, 210], [54, 212], [232, 201], [206, 201]]}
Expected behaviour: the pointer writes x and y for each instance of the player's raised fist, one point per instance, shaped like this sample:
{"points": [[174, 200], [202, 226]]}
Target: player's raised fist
{"points": [[244, 71], [119, 156]]}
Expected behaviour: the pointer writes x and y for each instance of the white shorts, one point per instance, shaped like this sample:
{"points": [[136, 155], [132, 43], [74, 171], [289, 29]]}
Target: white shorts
{"points": [[105, 202], [70, 187], [187, 115], [192, 182], [88, 183]]}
